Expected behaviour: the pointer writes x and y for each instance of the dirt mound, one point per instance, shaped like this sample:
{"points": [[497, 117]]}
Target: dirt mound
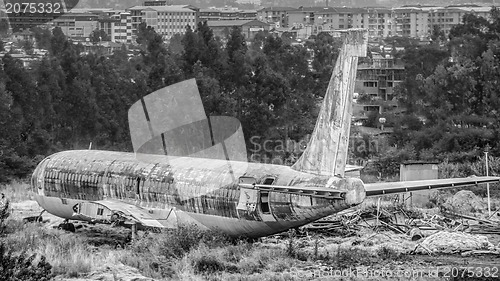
{"points": [[453, 242], [465, 202]]}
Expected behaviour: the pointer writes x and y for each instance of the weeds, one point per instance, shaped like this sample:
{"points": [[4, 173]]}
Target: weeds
{"points": [[23, 266], [17, 191]]}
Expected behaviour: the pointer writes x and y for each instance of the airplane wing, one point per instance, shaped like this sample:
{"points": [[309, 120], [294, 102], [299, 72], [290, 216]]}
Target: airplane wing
{"points": [[107, 211], [381, 188]]}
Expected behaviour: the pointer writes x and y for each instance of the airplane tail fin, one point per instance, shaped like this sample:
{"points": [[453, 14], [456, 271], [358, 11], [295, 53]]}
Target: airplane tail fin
{"points": [[326, 153]]}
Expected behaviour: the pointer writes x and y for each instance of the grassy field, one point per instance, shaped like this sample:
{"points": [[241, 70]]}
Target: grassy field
{"points": [[98, 252]]}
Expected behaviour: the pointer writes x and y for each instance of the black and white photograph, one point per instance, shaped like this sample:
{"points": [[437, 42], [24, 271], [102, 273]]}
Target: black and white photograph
{"points": [[250, 140]]}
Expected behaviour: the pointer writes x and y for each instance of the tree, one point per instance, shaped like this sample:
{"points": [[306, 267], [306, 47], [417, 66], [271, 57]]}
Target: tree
{"points": [[175, 44], [42, 37], [151, 43], [58, 41], [437, 34], [235, 78], [27, 45], [191, 52], [4, 26], [208, 47], [98, 36]]}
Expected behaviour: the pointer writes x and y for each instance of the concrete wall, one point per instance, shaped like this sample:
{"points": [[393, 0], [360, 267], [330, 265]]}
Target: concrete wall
{"points": [[418, 171]]}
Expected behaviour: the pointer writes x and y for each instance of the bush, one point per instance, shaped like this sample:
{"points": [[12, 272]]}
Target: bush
{"points": [[23, 267]]}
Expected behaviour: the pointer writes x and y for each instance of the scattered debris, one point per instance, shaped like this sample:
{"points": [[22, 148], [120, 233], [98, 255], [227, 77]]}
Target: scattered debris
{"points": [[438, 231], [465, 202], [454, 242]]}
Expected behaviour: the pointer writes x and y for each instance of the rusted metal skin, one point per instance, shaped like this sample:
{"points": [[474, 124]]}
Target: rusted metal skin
{"points": [[326, 153], [189, 186]]}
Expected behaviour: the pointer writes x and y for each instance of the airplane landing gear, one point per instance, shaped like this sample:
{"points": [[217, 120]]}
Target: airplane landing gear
{"points": [[67, 226]]}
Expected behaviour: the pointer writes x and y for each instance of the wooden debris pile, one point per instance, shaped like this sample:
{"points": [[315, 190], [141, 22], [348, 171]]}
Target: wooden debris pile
{"points": [[402, 220]]}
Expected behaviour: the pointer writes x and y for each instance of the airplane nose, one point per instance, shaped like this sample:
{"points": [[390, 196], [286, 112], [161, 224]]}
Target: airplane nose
{"points": [[356, 192]]}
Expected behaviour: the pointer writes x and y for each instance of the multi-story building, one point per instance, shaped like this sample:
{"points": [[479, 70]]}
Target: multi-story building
{"points": [[379, 77], [409, 22], [447, 17], [277, 16], [348, 18], [226, 14], [24, 21], [249, 28], [311, 16], [155, 3], [77, 25], [318, 19], [118, 27], [378, 21], [166, 20]]}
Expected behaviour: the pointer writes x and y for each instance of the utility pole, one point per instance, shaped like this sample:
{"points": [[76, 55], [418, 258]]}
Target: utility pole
{"points": [[487, 184]]}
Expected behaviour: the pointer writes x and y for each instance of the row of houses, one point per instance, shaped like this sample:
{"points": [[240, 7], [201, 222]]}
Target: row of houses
{"points": [[121, 25]]}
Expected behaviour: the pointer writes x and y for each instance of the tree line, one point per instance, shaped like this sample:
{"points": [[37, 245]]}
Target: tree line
{"points": [[69, 99]]}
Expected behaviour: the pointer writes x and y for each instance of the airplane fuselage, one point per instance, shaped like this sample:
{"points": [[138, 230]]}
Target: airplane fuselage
{"points": [[198, 190]]}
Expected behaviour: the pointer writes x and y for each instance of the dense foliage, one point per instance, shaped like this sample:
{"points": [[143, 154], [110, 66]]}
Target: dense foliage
{"points": [[451, 95], [69, 99]]}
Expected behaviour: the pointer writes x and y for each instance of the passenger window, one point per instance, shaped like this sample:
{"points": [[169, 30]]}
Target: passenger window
{"points": [[247, 180], [268, 181]]}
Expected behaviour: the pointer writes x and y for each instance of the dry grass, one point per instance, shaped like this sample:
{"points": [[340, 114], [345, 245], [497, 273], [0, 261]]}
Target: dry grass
{"points": [[188, 254], [185, 254], [69, 254], [17, 191]]}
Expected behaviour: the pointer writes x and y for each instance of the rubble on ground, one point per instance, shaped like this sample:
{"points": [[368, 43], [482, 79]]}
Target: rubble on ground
{"points": [[453, 228], [454, 242], [465, 202]]}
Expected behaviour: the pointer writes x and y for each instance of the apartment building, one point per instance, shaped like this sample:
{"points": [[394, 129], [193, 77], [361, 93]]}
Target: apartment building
{"points": [[378, 21], [118, 27], [226, 14], [447, 17], [379, 77], [166, 20], [409, 21], [311, 16], [349, 18], [77, 25], [249, 28], [276, 16]]}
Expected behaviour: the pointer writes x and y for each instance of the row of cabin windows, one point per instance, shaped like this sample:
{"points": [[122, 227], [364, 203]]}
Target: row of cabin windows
{"points": [[131, 183]]}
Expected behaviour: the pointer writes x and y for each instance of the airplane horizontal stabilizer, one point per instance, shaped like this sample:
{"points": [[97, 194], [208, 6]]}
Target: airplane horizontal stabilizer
{"points": [[326, 193], [382, 188]]}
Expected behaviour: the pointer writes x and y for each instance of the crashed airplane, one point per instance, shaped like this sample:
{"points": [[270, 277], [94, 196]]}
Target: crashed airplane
{"points": [[187, 168]]}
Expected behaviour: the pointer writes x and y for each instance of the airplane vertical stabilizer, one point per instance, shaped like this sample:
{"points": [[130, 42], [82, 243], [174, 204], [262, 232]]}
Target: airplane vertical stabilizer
{"points": [[326, 153]]}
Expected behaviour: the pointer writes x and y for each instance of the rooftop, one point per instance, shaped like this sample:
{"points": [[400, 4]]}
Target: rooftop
{"points": [[229, 23], [171, 8], [270, 9]]}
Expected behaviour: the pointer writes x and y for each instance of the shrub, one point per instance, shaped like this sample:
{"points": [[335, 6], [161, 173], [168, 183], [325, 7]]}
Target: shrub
{"points": [[23, 267]]}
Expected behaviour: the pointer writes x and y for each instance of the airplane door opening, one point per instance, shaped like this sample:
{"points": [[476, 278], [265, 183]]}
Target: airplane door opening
{"points": [[264, 200], [138, 187]]}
